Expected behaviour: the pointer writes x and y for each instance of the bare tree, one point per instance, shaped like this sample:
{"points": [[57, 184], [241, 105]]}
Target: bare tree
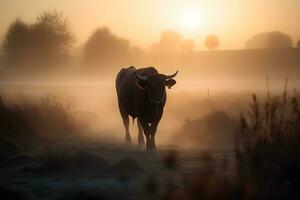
{"points": [[59, 24], [51, 39]]}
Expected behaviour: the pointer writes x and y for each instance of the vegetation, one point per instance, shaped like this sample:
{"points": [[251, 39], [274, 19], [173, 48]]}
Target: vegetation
{"points": [[268, 152], [267, 156], [59, 160], [45, 120], [103, 47], [212, 42], [45, 43], [272, 40], [172, 42], [212, 130]]}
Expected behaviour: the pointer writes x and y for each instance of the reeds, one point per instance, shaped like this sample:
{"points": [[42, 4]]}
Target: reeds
{"points": [[269, 147], [275, 120]]}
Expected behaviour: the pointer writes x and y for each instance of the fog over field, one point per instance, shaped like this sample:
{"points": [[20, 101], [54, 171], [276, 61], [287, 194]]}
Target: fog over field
{"points": [[195, 95], [71, 72]]}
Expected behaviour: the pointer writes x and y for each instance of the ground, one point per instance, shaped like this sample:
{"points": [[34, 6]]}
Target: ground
{"points": [[88, 168]]}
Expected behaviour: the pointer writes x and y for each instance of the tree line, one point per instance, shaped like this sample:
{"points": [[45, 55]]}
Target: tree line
{"points": [[49, 42], [45, 43]]}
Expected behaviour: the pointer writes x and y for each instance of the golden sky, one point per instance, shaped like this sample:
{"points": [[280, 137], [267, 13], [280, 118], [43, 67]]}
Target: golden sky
{"points": [[142, 21]]}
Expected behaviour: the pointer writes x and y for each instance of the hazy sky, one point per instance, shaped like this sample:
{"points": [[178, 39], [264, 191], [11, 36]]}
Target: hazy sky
{"points": [[142, 21]]}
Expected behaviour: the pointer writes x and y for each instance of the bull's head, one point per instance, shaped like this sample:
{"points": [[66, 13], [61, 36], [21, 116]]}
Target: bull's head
{"points": [[155, 85]]}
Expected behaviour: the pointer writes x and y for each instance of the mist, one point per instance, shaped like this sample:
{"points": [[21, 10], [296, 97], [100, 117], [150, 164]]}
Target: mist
{"points": [[59, 111]]}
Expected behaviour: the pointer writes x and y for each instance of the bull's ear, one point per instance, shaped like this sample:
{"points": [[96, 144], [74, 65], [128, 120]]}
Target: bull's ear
{"points": [[142, 84], [170, 83]]}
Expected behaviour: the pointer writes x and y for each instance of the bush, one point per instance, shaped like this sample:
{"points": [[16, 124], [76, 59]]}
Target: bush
{"points": [[213, 130]]}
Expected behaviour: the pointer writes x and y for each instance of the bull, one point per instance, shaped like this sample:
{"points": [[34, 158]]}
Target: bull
{"points": [[141, 94]]}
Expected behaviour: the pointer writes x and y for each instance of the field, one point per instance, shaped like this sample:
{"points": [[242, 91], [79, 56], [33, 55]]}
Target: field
{"points": [[69, 145], [212, 88], [63, 137], [93, 170]]}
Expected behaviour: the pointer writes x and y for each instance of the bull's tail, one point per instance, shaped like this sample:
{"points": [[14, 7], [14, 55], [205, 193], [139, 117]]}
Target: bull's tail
{"points": [[133, 120]]}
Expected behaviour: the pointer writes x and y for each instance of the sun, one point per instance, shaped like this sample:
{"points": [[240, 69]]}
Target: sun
{"points": [[190, 19]]}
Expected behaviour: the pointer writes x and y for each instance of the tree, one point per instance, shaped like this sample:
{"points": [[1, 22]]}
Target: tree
{"points": [[269, 40], [105, 49], [47, 42], [16, 43], [172, 41], [51, 38], [212, 42], [58, 26]]}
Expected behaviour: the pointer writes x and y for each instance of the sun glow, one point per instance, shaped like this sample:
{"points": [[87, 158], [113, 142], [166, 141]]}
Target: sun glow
{"points": [[190, 19]]}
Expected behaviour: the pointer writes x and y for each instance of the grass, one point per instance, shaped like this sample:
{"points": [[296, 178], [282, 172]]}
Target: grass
{"points": [[42, 120], [267, 155], [269, 146], [267, 150], [62, 160]]}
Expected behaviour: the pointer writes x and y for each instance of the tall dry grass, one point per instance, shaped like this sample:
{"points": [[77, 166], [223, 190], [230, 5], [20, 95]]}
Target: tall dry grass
{"points": [[268, 151], [34, 121]]}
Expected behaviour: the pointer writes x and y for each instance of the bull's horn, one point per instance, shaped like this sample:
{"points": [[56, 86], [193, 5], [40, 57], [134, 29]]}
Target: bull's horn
{"points": [[144, 78], [171, 76]]}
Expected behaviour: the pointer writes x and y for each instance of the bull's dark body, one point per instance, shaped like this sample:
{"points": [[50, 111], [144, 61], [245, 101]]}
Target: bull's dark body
{"points": [[133, 100], [142, 95]]}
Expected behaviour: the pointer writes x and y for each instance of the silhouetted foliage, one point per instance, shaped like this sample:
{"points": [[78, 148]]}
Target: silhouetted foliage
{"points": [[268, 151], [267, 40], [212, 42], [172, 41], [52, 39], [16, 43], [104, 49], [46, 42], [29, 121]]}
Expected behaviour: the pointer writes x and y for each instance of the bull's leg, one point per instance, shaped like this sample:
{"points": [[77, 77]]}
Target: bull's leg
{"points": [[126, 125], [140, 136], [125, 118], [146, 129], [152, 135]]}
